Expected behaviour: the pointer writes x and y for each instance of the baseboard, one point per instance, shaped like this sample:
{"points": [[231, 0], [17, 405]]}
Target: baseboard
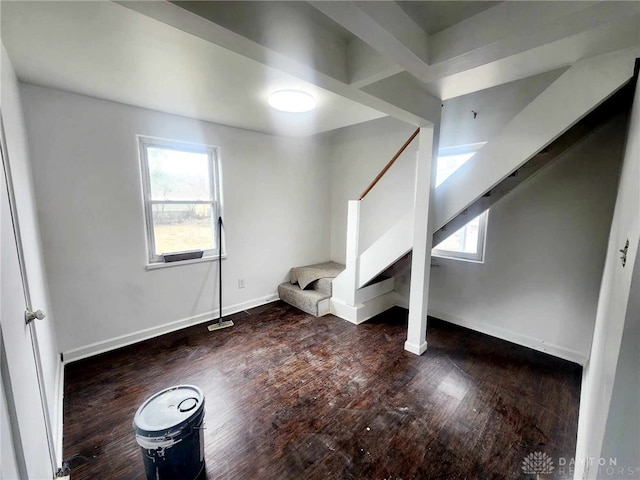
{"points": [[402, 301], [324, 307], [76, 354], [513, 337], [361, 313]]}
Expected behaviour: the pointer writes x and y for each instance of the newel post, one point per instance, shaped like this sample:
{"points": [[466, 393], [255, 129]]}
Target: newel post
{"points": [[353, 239]]}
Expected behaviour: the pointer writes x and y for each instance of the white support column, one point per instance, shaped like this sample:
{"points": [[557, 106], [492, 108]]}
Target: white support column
{"points": [[422, 242]]}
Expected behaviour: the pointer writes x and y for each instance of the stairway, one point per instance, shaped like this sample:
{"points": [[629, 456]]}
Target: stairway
{"points": [[541, 132], [599, 116], [518, 152], [309, 288]]}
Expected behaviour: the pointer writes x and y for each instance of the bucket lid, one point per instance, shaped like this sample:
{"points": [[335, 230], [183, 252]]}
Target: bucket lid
{"points": [[168, 409]]}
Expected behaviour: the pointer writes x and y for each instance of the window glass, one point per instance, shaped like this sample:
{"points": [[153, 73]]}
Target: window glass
{"points": [[182, 227], [177, 175], [464, 240], [447, 164]]}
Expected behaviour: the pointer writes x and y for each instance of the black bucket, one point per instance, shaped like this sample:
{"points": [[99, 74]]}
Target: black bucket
{"points": [[168, 427]]}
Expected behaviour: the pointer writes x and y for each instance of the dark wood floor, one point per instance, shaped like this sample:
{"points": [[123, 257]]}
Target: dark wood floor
{"points": [[289, 396]]}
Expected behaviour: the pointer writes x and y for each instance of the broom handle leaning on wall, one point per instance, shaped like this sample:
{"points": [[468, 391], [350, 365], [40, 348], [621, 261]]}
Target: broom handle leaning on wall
{"points": [[220, 268]]}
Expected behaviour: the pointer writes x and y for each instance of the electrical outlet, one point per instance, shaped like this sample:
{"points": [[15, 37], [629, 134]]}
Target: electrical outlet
{"points": [[241, 283]]}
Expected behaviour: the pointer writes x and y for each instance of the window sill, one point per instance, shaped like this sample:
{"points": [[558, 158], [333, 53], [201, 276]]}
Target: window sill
{"points": [[459, 259], [155, 266]]}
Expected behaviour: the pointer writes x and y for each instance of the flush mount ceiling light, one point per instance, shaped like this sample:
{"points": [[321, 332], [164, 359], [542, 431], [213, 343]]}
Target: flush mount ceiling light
{"points": [[292, 101]]}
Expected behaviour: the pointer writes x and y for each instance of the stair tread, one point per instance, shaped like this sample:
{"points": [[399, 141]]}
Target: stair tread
{"points": [[306, 300], [306, 274], [322, 285], [307, 292]]}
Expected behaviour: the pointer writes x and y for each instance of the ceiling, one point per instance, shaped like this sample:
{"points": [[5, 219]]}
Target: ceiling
{"points": [[435, 16], [218, 61], [105, 50]]}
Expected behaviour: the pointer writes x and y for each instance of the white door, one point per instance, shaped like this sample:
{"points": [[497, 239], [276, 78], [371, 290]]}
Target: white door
{"points": [[29, 436]]}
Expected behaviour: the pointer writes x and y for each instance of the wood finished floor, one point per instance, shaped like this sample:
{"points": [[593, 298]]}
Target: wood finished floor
{"points": [[290, 396]]}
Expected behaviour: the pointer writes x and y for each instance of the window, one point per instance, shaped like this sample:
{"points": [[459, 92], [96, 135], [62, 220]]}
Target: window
{"points": [[451, 159], [467, 243], [181, 185]]}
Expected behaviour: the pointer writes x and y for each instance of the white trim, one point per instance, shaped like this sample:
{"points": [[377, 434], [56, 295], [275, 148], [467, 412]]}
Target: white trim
{"points": [[415, 349], [513, 337], [155, 266], [135, 337], [365, 294], [324, 307], [58, 417], [580, 473], [451, 257], [364, 311]]}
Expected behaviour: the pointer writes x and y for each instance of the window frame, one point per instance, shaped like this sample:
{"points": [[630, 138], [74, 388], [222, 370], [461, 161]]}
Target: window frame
{"points": [[477, 257], [215, 185]]}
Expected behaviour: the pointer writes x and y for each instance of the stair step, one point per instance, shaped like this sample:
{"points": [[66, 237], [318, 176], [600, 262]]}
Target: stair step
{"points": [[313, 302], [322, 285]]}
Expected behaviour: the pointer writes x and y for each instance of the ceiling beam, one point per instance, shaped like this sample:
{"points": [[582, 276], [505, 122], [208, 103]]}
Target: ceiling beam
{"points": [[504, 43], [496, 24], [177, 17], [508, 34], [387, 29], [285, 27], [514, 28], [366, 66], [550, 56], [400, 25], [408, 93]]}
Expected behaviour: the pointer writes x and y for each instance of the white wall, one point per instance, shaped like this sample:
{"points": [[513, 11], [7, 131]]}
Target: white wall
{"points": [[544, 254], [87, 179], [495, 108]]}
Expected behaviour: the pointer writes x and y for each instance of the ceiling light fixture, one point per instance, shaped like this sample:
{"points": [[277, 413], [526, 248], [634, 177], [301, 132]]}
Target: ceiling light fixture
{"points": [[292, 101]]}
